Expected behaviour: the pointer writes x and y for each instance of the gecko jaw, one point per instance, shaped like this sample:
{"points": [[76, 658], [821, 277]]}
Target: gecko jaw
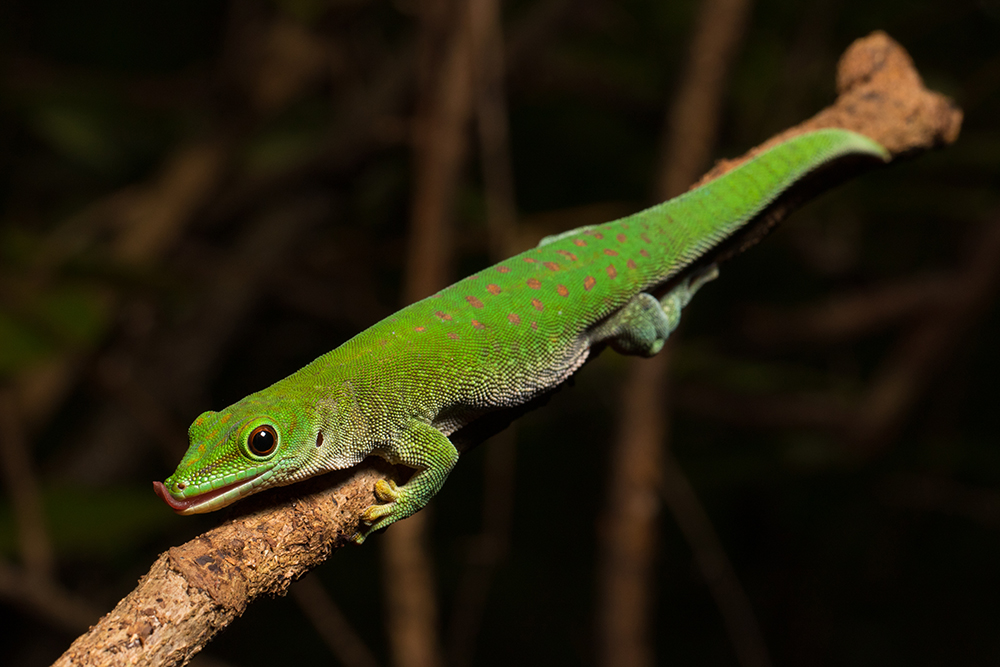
{"points": [[209, 500]]}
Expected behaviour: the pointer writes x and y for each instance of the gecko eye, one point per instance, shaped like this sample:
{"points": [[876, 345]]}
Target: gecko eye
{"points": [[262, 440]]}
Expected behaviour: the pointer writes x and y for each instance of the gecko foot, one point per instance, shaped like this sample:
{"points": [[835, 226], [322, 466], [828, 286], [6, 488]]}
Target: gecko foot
{"points": [[379, 516]]}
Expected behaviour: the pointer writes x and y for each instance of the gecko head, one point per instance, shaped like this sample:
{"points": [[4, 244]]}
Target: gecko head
{"points": [[251, 446]]}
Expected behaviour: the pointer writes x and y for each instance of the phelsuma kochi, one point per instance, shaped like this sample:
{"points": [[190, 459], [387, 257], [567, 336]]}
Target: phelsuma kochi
{"points": [[484, 346]]}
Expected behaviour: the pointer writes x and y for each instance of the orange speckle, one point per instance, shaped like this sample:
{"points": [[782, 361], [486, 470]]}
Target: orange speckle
{"points": [[211, 436], [474, 302], [589, 282], [419, 329], [567, 254], [562, 290], [630, 264], [199, 421], [598, 236], [551, 266], [503, 269], [610, 253], [477, 324], [514, 318], [534, 325], [473, 278], [611, 271], [444, 316], [452, 335], [642, 251], [533, 283], [538, 304], [531, 260], [579, 242], [493, 288], [621, 238], [226, 417]]}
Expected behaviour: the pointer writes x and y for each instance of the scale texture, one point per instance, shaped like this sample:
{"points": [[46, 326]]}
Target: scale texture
{"points": [[492, 341]]}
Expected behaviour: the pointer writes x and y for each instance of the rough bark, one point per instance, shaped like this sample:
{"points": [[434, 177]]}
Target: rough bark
{"points": [[194, 590]]}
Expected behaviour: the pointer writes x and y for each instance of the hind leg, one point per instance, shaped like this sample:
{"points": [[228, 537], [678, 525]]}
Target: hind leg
{"points": [[643, 325]]}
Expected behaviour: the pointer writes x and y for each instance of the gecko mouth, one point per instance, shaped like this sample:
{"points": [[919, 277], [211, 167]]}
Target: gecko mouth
{"points": [[209, 500]]}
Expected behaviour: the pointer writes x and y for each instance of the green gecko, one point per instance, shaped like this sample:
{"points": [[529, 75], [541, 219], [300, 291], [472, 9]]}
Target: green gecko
{"points": [[487, 344]]}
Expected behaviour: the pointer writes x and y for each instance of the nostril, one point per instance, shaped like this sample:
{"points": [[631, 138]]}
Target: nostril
{"points": [[181, 486]]}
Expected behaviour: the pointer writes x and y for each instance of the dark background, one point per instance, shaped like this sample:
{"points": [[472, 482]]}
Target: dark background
{"points": [[198, 197]]}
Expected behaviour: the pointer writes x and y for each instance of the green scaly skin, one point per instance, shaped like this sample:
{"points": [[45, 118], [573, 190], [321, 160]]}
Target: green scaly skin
{"points": [[491, 341]]}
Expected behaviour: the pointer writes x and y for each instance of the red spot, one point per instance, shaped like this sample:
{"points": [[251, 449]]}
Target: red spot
{"points": [[669, 220], [514, 318], [478, 325], [493, 288], [643, 252], [579, 242], [567, 254], [444, 316], [610, 253], [562, 290], [589, 282], [534, 325], [534, 283], [531, 260], [503, 269], [598, 236], [418, 328], [630, 264], [472, 277], [452, 335], [537, 304], [474, 302], [551, 266], [621, 238], [611, 271], [645, 237]]}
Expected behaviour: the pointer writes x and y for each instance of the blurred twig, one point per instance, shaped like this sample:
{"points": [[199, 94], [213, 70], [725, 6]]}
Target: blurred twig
{"points": [[439, 147], [490, 546], [46, 599], [22, 485], [637, 459], [848, 316], [628, 523], [331, 623], [938, 494], [907, 372], [944, 309], [693, 119]]}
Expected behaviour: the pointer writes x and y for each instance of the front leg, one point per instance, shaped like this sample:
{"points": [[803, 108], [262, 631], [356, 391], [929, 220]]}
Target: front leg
{"points": [[419, 446]]}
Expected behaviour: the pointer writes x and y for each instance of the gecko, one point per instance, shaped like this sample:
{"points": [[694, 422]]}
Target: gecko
{"points": [[493, 342]]}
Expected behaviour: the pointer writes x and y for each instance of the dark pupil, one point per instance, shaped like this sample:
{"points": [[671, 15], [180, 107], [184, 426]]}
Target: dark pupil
{"points": [[262, 441]]}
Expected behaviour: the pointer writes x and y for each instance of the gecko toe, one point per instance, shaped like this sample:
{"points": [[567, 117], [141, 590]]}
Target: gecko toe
{"points": [[386, 491]]}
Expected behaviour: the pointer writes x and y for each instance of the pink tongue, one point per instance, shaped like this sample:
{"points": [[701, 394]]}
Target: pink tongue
{"points": [[175, 505]]}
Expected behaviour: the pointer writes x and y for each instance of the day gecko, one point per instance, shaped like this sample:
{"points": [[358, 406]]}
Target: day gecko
{"points": [[488, 343]]}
